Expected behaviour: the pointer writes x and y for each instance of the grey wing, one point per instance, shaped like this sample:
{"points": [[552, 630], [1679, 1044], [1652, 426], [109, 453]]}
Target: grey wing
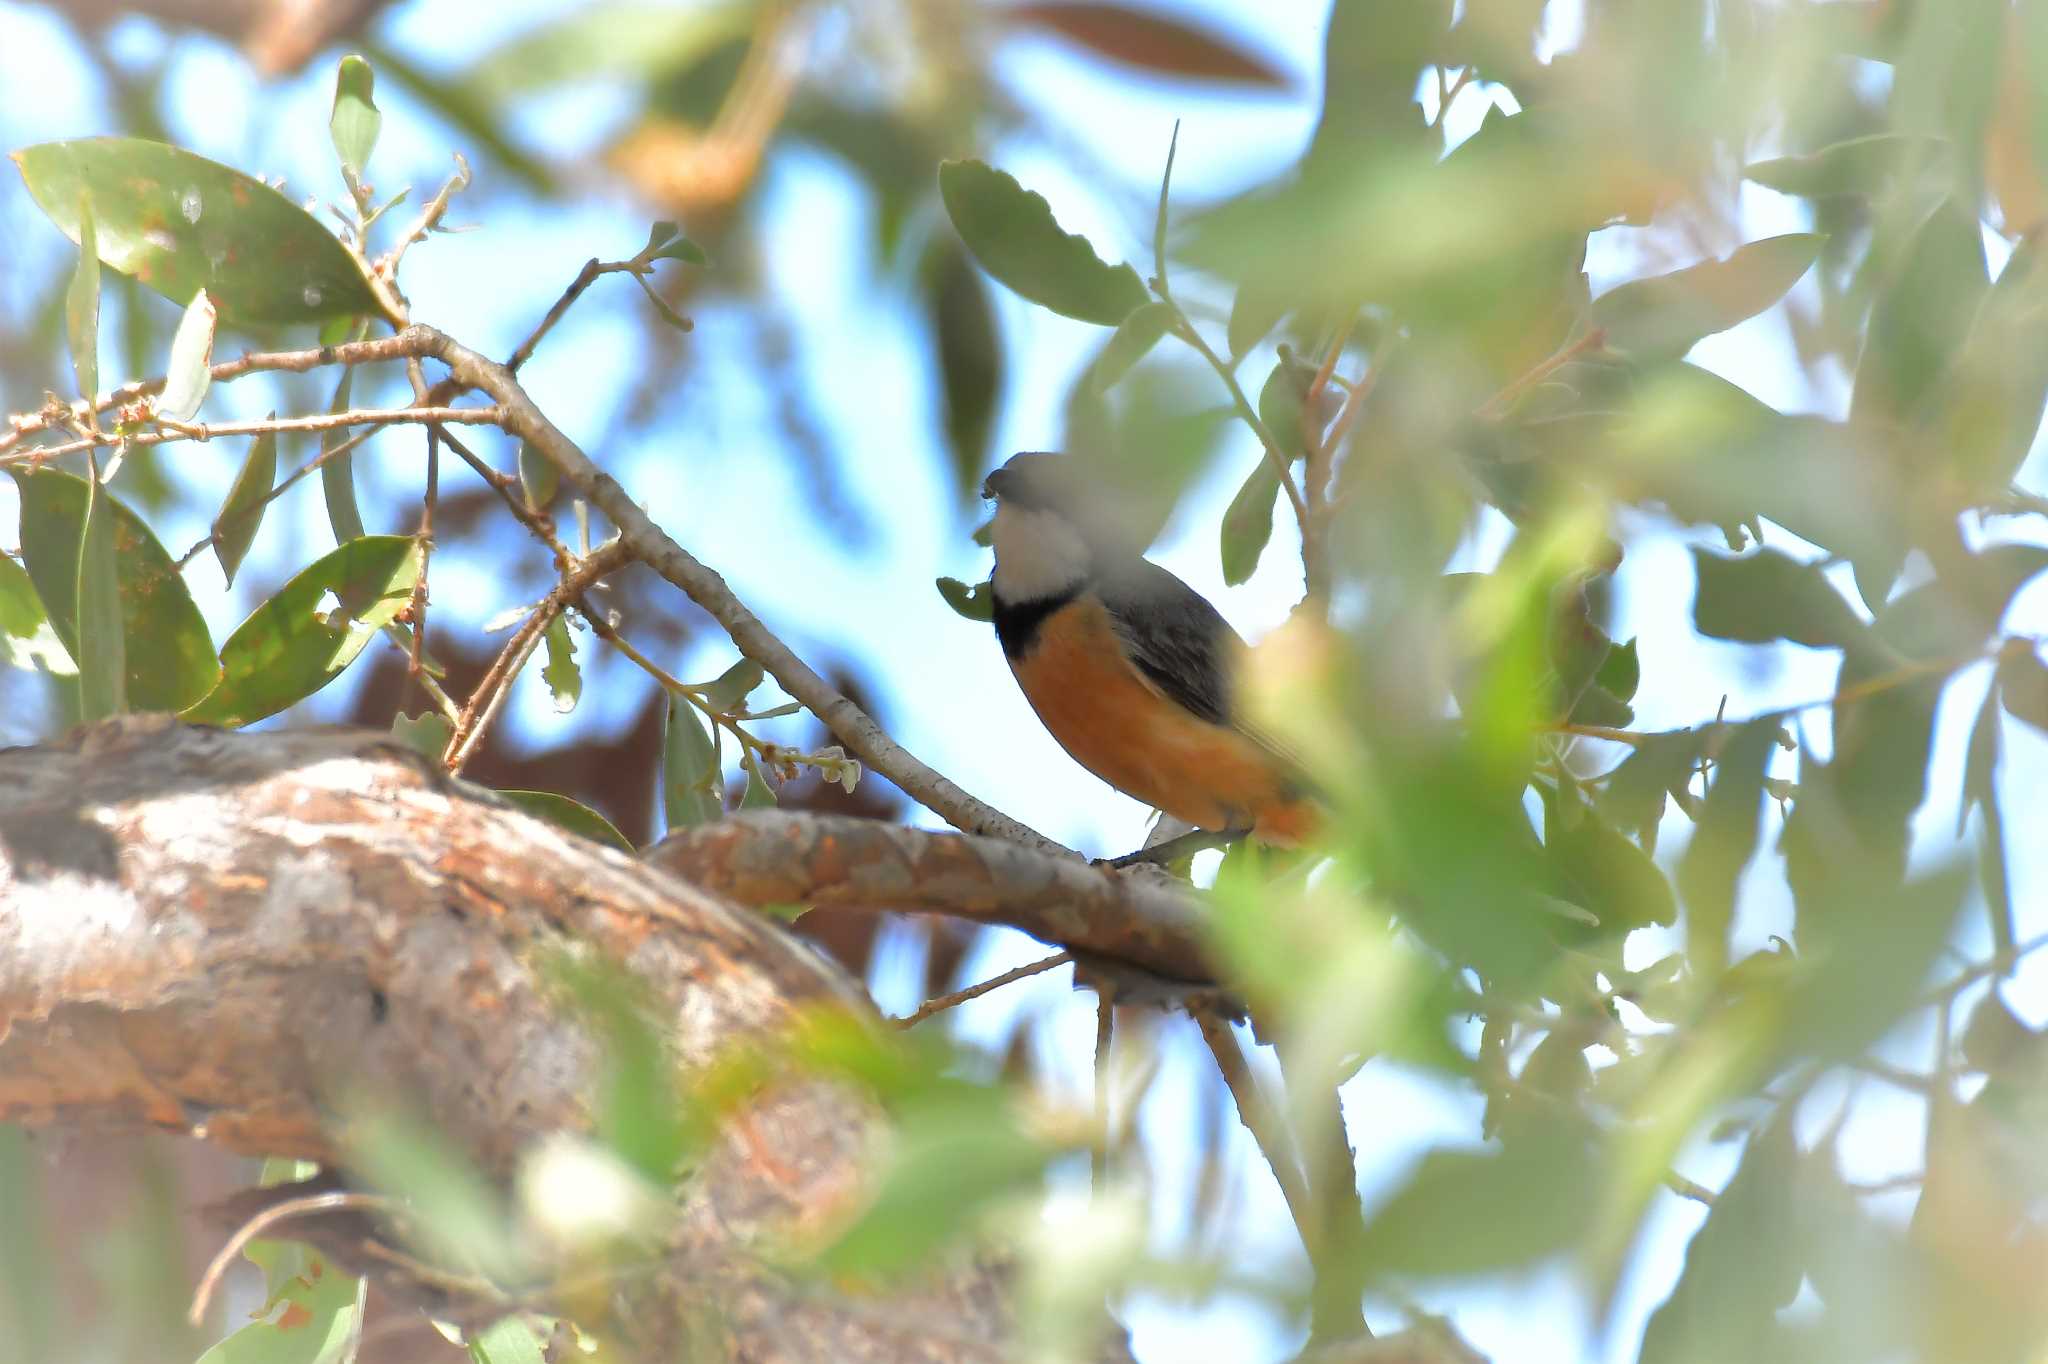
{"points": [[1175, 637]]}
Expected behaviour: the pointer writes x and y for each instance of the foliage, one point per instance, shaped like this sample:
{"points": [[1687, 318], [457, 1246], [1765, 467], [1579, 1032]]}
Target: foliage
{"points": [[1474, 346]]}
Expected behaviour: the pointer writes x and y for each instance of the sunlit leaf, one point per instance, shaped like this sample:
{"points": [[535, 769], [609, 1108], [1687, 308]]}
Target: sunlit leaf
{"points": [[563, 677], [1921, 317], [302, 638], [181, 223], [102, 644], [309, 1314], [189, 372], [1147, 40], [1667, 314], [1013, 233], [508, 1340], [689, 767], [234, 530], [26, 639], [354, 121], [572, 815], [170, 660], [82, 307]]}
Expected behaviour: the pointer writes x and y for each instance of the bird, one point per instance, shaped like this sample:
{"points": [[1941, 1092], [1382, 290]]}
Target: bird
{"points": [[1129, 668]]}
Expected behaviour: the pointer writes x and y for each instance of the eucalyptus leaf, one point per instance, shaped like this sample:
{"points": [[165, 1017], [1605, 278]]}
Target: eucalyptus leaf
{"points": [[234, 529], [82, 307], [190, 371], [1013, 233]]}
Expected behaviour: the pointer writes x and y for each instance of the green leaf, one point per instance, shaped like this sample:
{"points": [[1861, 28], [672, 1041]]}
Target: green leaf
{"points": [[759, 795], [1248, 523], [538, 477], [1253, 315], [293, 645], [1666, 315], [458, 1213], [1634, 793], [308, 1318], [603, 44], [1132, 340], [689, 768], [682, 249], [508, 1340], [1147, 40], [180, 223], [1608, 874], [82, 307], [234, 530], [170, 660], [1014, 235], [1444, 1218], [26, 639], [1991, 411], [102, 651], [337, 472], [975, 603], [969, 349], [1769, 596], [731, 688], [1922, 317], [2023, 686], [1620, 673], [1860, 165], [354, 121], [1723, 844], [572, 815], [189, 373], [955, 1155], [1743, 1263], [426, 733], [564, 678]]}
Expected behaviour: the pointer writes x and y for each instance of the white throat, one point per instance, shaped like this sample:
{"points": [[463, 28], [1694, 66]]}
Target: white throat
{"points": [[1039, 554]]}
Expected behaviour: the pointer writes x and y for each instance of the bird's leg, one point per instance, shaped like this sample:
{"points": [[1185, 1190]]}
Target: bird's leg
{"points": [[1174, 849]]}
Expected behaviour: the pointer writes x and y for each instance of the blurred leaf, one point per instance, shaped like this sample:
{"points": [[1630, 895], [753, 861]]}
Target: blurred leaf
{"points": [[1620, 673], [1666, 315], [1373, 56], [426, 733], [1147, 40], [1723, 844], [1945, 78], [1868, 946], [308, 1317], [1990, 412], [354, 121], [539, 479], [234, 529], [684, 250], [2023, 685], [102, 652], [457, 1214], [1743, 1263], [1248, 522], [182, 224], [563, 677], [170, 660], [602, 43], [969, 349], [975, 603], [1921, 317], [572, 815], [297, 642], [731, 688], [1634, 793], [1606, 873], [475, 117], [954, 1156], [1769, 596], [1014, 235], [1980, 789], [26, 639], [1133, 339], [639, 1109], [689, 768], [1444, 1218], [1253, 315], [82, 307], [1859, 165], [1949, 618], [337, 472], [508, 1340], [759, 795], [189, 372]]}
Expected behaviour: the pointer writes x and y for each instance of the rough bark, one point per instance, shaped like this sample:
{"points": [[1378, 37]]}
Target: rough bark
{"points": [[237, 935]]}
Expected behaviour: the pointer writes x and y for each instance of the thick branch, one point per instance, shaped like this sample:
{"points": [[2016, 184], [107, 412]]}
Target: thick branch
{"points": [[240, 935], [763, 857]]}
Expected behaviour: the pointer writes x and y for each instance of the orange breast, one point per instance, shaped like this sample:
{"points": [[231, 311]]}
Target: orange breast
{"points": [[1119, 726]]}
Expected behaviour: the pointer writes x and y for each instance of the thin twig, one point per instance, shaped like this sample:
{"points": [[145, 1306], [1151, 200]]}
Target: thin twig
{"points": [[1686, 1188], [417, 607], [1281, 461], [172, 431], [1105, 1029], [592, 271], [333, 1201], [1496, 407], [944, 1002], [340, 449], [1259, 1118]]}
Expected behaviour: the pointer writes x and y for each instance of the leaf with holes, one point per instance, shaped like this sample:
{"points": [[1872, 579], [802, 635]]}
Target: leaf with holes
{"points": [[1013, 233], [301, 639], [170, 660], [562, 675], [180, 223], [975, 603]]}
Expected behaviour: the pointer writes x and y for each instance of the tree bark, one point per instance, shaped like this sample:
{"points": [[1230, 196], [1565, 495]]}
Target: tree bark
{"points": [[239, 935]]}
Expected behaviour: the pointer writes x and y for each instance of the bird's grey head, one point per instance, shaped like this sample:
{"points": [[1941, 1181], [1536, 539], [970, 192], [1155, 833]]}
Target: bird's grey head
{"points": [[1042, 548]]}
